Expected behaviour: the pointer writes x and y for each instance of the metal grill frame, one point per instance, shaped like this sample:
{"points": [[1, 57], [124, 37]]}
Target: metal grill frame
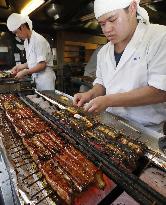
{"points": [[136, 188]]}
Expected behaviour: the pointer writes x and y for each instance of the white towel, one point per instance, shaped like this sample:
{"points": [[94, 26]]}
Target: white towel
{"points": [[102, 7], [15, 20]]}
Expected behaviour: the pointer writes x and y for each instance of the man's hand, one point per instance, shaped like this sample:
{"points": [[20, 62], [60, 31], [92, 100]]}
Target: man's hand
{"points": [[17, 68], [81, 98], [22, 73], [98, 104]]}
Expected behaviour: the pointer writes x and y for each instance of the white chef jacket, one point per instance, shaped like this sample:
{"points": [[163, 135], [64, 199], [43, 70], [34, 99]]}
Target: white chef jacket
{"points": [[142, 63], [37, 50]]}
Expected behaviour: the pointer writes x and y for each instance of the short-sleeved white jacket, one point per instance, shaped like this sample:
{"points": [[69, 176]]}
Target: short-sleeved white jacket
{"points": [[143, 63], [37, 50]]}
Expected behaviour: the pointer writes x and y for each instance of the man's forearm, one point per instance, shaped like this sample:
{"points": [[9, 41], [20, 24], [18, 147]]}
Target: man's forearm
{"points": [[142, 96], [39, 67], [97, 90]]}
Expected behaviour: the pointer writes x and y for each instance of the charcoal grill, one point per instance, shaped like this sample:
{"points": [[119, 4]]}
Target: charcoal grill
{"points": [[40, 190], [32, 186], [129, 182]]}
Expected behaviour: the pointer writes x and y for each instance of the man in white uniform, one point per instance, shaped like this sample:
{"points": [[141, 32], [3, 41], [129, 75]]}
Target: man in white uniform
{"points": [[38, 53], [131, 67]]}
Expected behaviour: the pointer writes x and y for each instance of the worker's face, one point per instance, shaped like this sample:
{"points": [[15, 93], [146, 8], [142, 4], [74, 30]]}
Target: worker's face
{"points": [[117, 25], [21, 32]]}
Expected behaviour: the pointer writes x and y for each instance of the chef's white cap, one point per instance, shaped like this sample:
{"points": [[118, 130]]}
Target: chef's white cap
{"points": [[15, 20], [102, 7]]}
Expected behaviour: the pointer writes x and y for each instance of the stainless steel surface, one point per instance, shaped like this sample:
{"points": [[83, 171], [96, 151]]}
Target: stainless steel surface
{"points": [[7, 190]]}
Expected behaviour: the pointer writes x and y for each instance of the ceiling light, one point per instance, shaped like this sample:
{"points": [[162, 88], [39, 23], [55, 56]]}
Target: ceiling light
{"points": [[31, 6]]}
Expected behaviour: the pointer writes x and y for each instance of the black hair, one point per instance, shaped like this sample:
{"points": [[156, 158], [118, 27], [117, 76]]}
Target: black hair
{"points": [[26, 24]]}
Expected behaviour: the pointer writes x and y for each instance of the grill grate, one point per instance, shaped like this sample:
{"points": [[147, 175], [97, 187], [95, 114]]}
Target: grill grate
{"points": [[133, 186], [129, 182], [30, 180]]}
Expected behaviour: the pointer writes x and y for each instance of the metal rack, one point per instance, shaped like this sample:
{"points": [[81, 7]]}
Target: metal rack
{"points": [[128, 182], [40, 190], [31, 186]]}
